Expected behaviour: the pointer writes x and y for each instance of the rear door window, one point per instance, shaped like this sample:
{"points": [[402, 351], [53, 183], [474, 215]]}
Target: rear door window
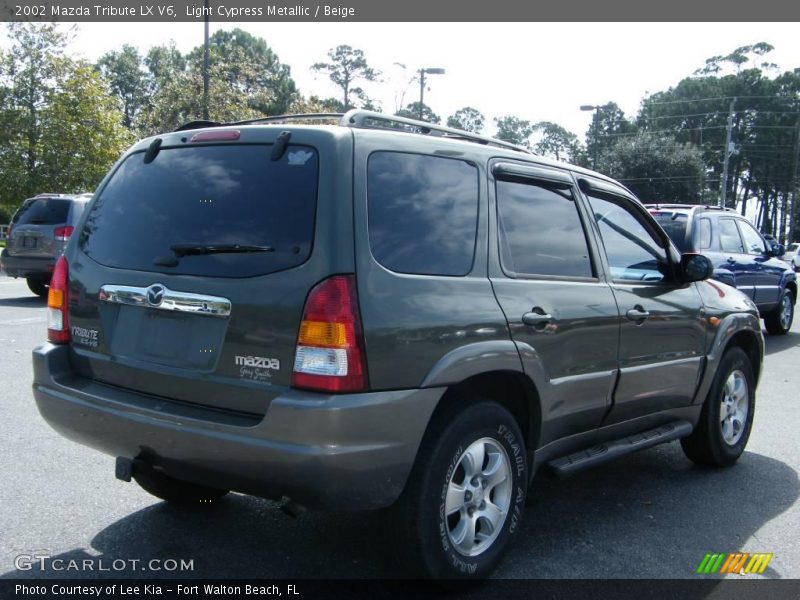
{"points": [[729, 238], [207, 196], [541, 231], [42, 211], [423, 213]]}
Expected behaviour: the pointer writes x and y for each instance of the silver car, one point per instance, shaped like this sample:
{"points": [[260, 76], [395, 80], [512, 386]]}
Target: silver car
{"points": [[38, 234]]}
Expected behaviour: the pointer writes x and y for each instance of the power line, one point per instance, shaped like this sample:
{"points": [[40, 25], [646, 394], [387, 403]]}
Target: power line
{"points": [[773, 97]]}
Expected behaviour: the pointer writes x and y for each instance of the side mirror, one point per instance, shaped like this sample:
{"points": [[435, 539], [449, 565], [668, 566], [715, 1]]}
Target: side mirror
{"points": [[778, 250], [695, 267]]}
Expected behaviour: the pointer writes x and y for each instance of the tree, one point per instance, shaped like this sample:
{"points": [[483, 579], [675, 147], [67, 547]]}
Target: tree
{"points": [[164, 62], [513, 129], [347, 66], [256, 70], [411, 111], [82, 135], [467, 119], [656, 167], [60, 130], [127, 80], [555, 141], [30, 73], [608, 126]]}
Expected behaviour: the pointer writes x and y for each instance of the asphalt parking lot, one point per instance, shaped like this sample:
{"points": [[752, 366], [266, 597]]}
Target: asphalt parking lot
{"points": [[650, 515]]}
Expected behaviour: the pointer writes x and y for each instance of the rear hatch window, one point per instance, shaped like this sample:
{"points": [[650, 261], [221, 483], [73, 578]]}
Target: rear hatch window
{"points": [[42, 211], [217, 211], [674, 223]]}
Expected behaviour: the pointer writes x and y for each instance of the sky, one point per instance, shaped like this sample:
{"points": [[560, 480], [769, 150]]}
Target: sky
{"points": [[536, 71]]}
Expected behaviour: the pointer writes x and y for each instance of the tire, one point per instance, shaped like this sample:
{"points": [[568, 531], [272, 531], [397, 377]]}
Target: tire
{"points": [[37, 286], [432, 544], [718, 442], [779, 320], [176, 491]]}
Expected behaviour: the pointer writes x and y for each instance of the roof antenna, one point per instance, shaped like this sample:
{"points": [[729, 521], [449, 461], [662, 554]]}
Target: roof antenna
{"points": [[152, 151], [280, 145]]}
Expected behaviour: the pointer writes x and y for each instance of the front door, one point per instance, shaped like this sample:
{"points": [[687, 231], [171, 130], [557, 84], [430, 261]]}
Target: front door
{"points": [[662, 335]]}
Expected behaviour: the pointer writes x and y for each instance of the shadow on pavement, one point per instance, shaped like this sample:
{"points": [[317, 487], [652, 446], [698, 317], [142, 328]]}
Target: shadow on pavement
{"points": [[23, 302], [651, 515], [780, 343]]}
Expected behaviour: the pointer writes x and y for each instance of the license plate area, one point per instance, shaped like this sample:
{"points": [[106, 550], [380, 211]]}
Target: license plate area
{"points": [[29, 242], [168, 338]]}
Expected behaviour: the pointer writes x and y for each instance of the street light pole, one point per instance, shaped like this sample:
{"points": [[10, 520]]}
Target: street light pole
{"points": [[205, 63], [422, 72], [595, 126]]}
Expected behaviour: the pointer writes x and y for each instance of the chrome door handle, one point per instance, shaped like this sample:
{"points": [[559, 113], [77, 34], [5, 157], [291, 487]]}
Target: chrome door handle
{"points": [[637, 314], [537, 318]]}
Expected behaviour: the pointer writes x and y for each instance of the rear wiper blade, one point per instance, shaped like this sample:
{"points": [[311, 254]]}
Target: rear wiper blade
{"points": [[181, 250], [195, 249]]}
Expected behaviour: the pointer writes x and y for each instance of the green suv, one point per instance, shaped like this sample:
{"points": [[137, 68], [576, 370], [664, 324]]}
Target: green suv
{"points": [[372, 312]]}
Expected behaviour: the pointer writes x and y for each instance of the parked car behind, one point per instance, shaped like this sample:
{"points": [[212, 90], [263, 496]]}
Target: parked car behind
{"points": [[742, 257], [790, 256], [38, 233]]}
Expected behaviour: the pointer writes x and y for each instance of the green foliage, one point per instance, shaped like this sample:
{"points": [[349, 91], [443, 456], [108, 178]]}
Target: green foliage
{"points": [[59, 129], [345, 68], [467, 119], [656, 167], [608, 126], [556, 142], [513, 129], [411, 111], [127, 81]]}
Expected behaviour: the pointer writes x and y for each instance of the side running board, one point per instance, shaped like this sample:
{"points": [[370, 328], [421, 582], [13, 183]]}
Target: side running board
{"points": [[566, 465]]}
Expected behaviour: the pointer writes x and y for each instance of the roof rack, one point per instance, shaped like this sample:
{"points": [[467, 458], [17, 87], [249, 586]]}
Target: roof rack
{"points": [[659, 205], [367, 119]]}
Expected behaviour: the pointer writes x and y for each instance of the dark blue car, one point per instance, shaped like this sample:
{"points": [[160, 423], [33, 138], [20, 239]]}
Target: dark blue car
{"points": [[741, 256]]}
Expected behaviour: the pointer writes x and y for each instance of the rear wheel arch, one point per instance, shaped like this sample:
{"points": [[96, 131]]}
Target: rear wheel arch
{"points": [[792, 287], [511, 389]]}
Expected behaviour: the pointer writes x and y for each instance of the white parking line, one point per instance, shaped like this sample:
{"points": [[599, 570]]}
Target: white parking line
{"points": [[24, 321]]}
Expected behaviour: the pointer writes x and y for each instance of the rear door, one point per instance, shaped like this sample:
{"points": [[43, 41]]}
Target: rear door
{"points": [[561, 314], [769, 271], [732, 263], [662, 335], [191, 271]]}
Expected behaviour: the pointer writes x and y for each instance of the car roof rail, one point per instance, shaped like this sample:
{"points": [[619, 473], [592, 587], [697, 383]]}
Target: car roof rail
{"points": [[367, 119], [659, 205], [293, 118]]}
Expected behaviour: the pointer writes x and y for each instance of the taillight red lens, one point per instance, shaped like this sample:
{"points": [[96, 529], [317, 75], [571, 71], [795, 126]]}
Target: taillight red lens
{"points": [[57, 297], [330, 352], [62, 233], [8, 232]]}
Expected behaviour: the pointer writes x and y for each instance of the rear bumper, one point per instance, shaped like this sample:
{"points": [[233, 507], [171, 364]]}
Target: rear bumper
{"points": [[21, 266], [344, 452]]}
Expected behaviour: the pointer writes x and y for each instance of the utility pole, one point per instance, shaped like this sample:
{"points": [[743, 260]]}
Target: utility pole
{"points": [[421, 91], [205, 63], [726, 157]]}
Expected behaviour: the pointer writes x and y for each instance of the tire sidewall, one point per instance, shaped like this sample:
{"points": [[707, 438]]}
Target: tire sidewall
{"points": [[735, 359], [483, 420]]}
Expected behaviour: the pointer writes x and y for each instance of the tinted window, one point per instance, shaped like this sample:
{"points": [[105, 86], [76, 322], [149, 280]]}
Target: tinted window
{"points": [[632, 252], [674, 223], [540, 231], [42, 211], [423, 213], [207, 195], [702, 234], [753, 242], [729, 237]]}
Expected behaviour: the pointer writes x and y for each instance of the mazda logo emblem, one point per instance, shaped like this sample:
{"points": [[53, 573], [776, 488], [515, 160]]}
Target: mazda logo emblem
{"points": [[155, 294]]}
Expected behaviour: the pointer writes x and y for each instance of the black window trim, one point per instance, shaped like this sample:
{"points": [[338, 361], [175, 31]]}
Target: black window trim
{"points": [[547, 178], [435, 154], [615, 195]]}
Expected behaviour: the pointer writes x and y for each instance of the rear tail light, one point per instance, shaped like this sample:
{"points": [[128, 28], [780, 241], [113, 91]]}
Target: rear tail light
{"points": [[8, 232], [62, 233], [330, 353], [57, 322]]}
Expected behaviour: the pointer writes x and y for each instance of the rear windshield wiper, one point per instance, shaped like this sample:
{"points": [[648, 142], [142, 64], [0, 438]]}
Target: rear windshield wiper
{"points": [[181, 250]]}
